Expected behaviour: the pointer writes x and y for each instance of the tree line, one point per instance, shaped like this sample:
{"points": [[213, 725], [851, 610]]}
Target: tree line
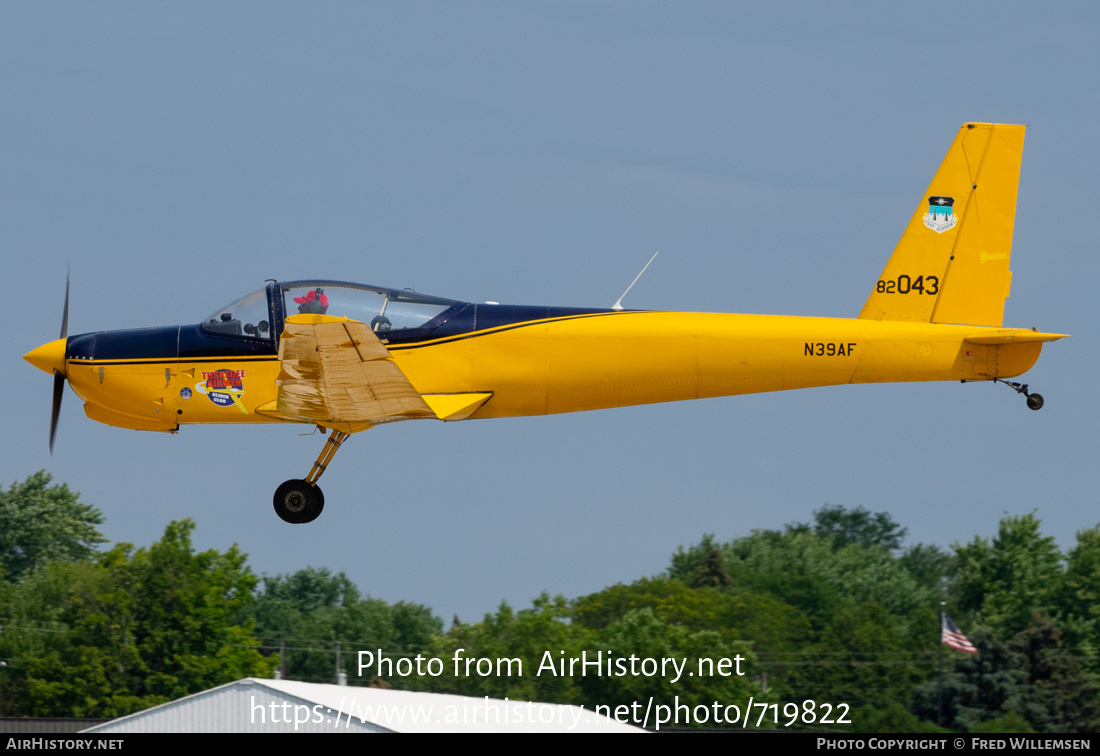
{"points": [[836, 610]]}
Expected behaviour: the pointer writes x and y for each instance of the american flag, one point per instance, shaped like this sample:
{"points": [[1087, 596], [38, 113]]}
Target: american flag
{"points": [[953, 637]]}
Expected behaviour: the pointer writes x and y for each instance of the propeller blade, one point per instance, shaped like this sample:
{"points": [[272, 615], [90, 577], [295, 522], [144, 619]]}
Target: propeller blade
{"points": [[58, 391], [65, 312], [58, 377]]}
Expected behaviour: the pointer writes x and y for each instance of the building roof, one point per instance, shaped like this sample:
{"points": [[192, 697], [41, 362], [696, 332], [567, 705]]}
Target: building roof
{"points": [[255, 705]]}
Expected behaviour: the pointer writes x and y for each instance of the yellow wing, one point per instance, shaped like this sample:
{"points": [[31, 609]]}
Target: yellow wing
{"points": [[335, 370]]}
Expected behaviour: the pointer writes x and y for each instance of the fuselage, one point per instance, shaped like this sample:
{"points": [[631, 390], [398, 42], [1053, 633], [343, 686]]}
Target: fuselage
{"points": [[531, 360]]}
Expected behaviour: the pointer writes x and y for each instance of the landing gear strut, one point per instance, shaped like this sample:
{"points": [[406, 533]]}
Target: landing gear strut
{"points": [[301, 501], [1034, 401]]}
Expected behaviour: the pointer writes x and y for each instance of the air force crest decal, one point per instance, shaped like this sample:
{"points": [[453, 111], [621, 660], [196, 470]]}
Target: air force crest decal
{"points": [[939, 217]]}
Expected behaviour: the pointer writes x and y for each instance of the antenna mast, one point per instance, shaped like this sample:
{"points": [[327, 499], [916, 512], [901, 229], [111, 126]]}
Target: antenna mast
{"points": [[619, 303]]}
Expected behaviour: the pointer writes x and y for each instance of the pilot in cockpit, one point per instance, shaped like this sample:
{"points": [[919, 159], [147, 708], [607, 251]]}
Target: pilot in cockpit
{"points": [[314, 302]]}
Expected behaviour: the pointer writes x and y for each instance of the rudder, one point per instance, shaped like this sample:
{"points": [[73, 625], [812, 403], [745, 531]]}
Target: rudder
{"points": [[952, 263]]}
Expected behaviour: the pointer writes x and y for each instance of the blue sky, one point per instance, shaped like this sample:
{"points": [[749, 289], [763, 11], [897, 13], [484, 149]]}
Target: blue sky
{"points": [[175, 156]]}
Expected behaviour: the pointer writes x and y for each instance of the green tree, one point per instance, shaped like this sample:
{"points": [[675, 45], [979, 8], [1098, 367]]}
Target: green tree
{"points": [[858, 526], [640, 635], [133, 629], [526, 637], [1056, 671], [805, 570], [1030, 674], [1079, 605], [867, 607], [40, 523], [310, 611], [1006, 581], [893, 718], [861, 658], [694, 565], [1012, 722], [930, 566], [772, 626]]}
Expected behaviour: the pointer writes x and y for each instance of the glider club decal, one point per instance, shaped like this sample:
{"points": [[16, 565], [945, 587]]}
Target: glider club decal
{"points": [[224, 388], [939, 217]]}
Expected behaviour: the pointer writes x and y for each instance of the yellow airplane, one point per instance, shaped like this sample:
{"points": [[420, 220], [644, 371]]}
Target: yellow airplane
{"points": [[346, 357]]}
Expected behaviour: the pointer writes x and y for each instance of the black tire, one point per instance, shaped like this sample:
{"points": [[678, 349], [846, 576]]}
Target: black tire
{"points": [[318, 503], [1035, 401], [298, 502]]}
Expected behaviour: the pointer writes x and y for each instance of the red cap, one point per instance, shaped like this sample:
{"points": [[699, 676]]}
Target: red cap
{"points": [[310, 296]]}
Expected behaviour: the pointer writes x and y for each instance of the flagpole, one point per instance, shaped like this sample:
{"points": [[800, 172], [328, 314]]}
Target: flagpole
{"points": [[939, 687]]}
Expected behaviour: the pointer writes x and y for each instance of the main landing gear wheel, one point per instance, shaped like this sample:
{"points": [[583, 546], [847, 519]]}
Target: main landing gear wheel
{"points": [[297, 501]]}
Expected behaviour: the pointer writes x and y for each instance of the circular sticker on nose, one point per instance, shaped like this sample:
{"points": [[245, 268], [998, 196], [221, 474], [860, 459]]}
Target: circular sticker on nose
{"points": [[224, 388]]}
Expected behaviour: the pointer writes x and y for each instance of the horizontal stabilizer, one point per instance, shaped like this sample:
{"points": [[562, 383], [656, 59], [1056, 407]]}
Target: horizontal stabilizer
{"points": [[1012, 335]]}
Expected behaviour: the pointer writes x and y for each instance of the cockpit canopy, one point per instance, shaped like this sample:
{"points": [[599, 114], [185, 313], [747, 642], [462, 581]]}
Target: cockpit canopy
{"points": [[249, 317], [385, 310], [382, 309]]}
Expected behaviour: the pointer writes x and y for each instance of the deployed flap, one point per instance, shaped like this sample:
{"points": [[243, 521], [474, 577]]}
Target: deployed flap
{"points": [[456, 406], [336, 370]]}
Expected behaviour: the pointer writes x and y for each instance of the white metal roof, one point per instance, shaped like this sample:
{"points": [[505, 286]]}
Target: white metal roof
{"points": [[255, 705]]}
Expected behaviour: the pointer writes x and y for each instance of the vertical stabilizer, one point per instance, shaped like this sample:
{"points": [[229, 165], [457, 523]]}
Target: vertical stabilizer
{"points": [[951, 265]]}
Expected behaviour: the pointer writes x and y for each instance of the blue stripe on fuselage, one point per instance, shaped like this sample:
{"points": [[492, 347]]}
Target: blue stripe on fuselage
{"points": [[190, 342]]}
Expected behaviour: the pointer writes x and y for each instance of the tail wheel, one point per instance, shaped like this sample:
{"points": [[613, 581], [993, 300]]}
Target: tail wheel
{"points": [[1034, 401]]}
